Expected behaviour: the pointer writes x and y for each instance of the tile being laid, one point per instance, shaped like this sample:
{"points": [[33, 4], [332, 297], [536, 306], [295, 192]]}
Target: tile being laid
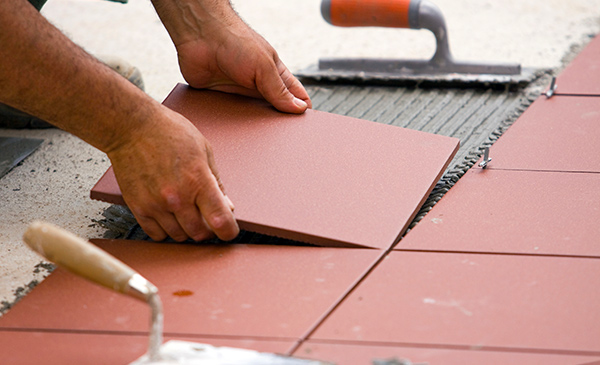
{"points": [[473, 301], [582, 75], [250, 291], [525, 212], [364, 353], [317, 177], [558, 134], [60, 348]]}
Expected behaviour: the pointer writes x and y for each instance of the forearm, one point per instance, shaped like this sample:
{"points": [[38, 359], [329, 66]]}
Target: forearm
{"points": [[189, 20], [43, 73]]}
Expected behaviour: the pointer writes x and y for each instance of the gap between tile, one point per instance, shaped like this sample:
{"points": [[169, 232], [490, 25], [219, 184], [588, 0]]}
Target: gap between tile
{"points": [[458, 347], [577, 95], [329, 311], [496, 253], [200, 338], [539, 170]]}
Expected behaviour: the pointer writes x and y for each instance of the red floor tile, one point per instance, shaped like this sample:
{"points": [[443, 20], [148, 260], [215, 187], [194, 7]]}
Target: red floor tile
{"points": [[55, 348], [486, 302], [356, 353], [582, 76], [237, 290], [317, 177], [560, 133], [514, 212]]}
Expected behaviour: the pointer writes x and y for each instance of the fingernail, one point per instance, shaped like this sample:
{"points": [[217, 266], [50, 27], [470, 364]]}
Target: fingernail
{"points": [[301, 103], [231, 206]]}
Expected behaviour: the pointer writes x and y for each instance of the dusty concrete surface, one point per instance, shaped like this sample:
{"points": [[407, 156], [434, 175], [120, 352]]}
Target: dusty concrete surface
{"points": [[54, 183]]}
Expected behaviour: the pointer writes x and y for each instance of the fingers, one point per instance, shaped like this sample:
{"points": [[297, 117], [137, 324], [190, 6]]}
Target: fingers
{"points": [[192, 221], [279, 87], [216, 207], [151, 227], [293, 84], [199, 215], [193, 226], [180, 226]]}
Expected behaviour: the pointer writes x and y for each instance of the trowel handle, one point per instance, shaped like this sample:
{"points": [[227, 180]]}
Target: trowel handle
{"points": [[86, 260], [370, 13]]}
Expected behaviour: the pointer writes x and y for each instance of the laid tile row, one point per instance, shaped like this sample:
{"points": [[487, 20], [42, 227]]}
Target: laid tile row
{"points": [[473, 301], [235, 290], [515, 212], [430, 302], [97, 349], [60, 348]]}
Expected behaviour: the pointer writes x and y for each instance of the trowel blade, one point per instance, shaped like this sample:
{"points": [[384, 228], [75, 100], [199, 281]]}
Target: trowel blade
{"points": [[188, 353], [394, 77]]}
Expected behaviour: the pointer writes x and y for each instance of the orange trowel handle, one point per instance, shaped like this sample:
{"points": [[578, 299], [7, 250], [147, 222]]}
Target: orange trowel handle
{"points": [[370, 13]]}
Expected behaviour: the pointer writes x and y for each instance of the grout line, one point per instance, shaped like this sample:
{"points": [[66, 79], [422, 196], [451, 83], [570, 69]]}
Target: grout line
{"points": [[461, 347], [540, 170], [75, 331], [294, 348], [577, 95], [331, 309], [500, 253], [145, 334], [369, 270]]}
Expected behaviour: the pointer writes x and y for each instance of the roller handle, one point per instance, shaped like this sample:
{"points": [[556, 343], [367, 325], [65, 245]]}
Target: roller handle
{"points": [[371, 13], [84, 259]]}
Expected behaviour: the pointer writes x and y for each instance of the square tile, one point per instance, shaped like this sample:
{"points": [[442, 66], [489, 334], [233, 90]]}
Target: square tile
{"points": [[60, 348], [318, 177], [485, 302], [559, 134], [525, 212], [230, 290], [362, 353], [582, 75]]}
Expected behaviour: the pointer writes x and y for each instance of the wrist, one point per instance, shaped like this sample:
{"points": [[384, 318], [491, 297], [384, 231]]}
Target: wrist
{"points": [[191, 20], [131, 126]]}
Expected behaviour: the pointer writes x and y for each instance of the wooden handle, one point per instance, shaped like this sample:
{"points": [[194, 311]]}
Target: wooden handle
{"points": [[78, 256], [367, 13]]}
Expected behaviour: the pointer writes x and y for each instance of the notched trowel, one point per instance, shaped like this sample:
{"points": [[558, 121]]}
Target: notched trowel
{"points": [[88, 261], [441, 69]]}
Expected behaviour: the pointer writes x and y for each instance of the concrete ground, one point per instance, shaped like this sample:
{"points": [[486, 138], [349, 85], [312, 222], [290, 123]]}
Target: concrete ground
{"points": [[54, 183]]}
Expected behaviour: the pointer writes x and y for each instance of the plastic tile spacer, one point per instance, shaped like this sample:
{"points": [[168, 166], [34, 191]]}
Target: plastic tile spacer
{"points": [[486, 158], [552, 88]]}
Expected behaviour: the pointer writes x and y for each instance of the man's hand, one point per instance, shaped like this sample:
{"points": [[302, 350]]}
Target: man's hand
{"points": [[218, 51], [163, 164], [169, 181]]}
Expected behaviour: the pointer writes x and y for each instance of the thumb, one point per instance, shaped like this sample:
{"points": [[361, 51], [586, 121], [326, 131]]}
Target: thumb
{"points": [[273, 87]]}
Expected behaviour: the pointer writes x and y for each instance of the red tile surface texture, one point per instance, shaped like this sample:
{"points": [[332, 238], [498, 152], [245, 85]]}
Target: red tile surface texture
{"points": [[56, 348], [356, 353], [237, 290], [525, 212], [488, 302], [582, 76], [317, 177], [559, 134]]}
